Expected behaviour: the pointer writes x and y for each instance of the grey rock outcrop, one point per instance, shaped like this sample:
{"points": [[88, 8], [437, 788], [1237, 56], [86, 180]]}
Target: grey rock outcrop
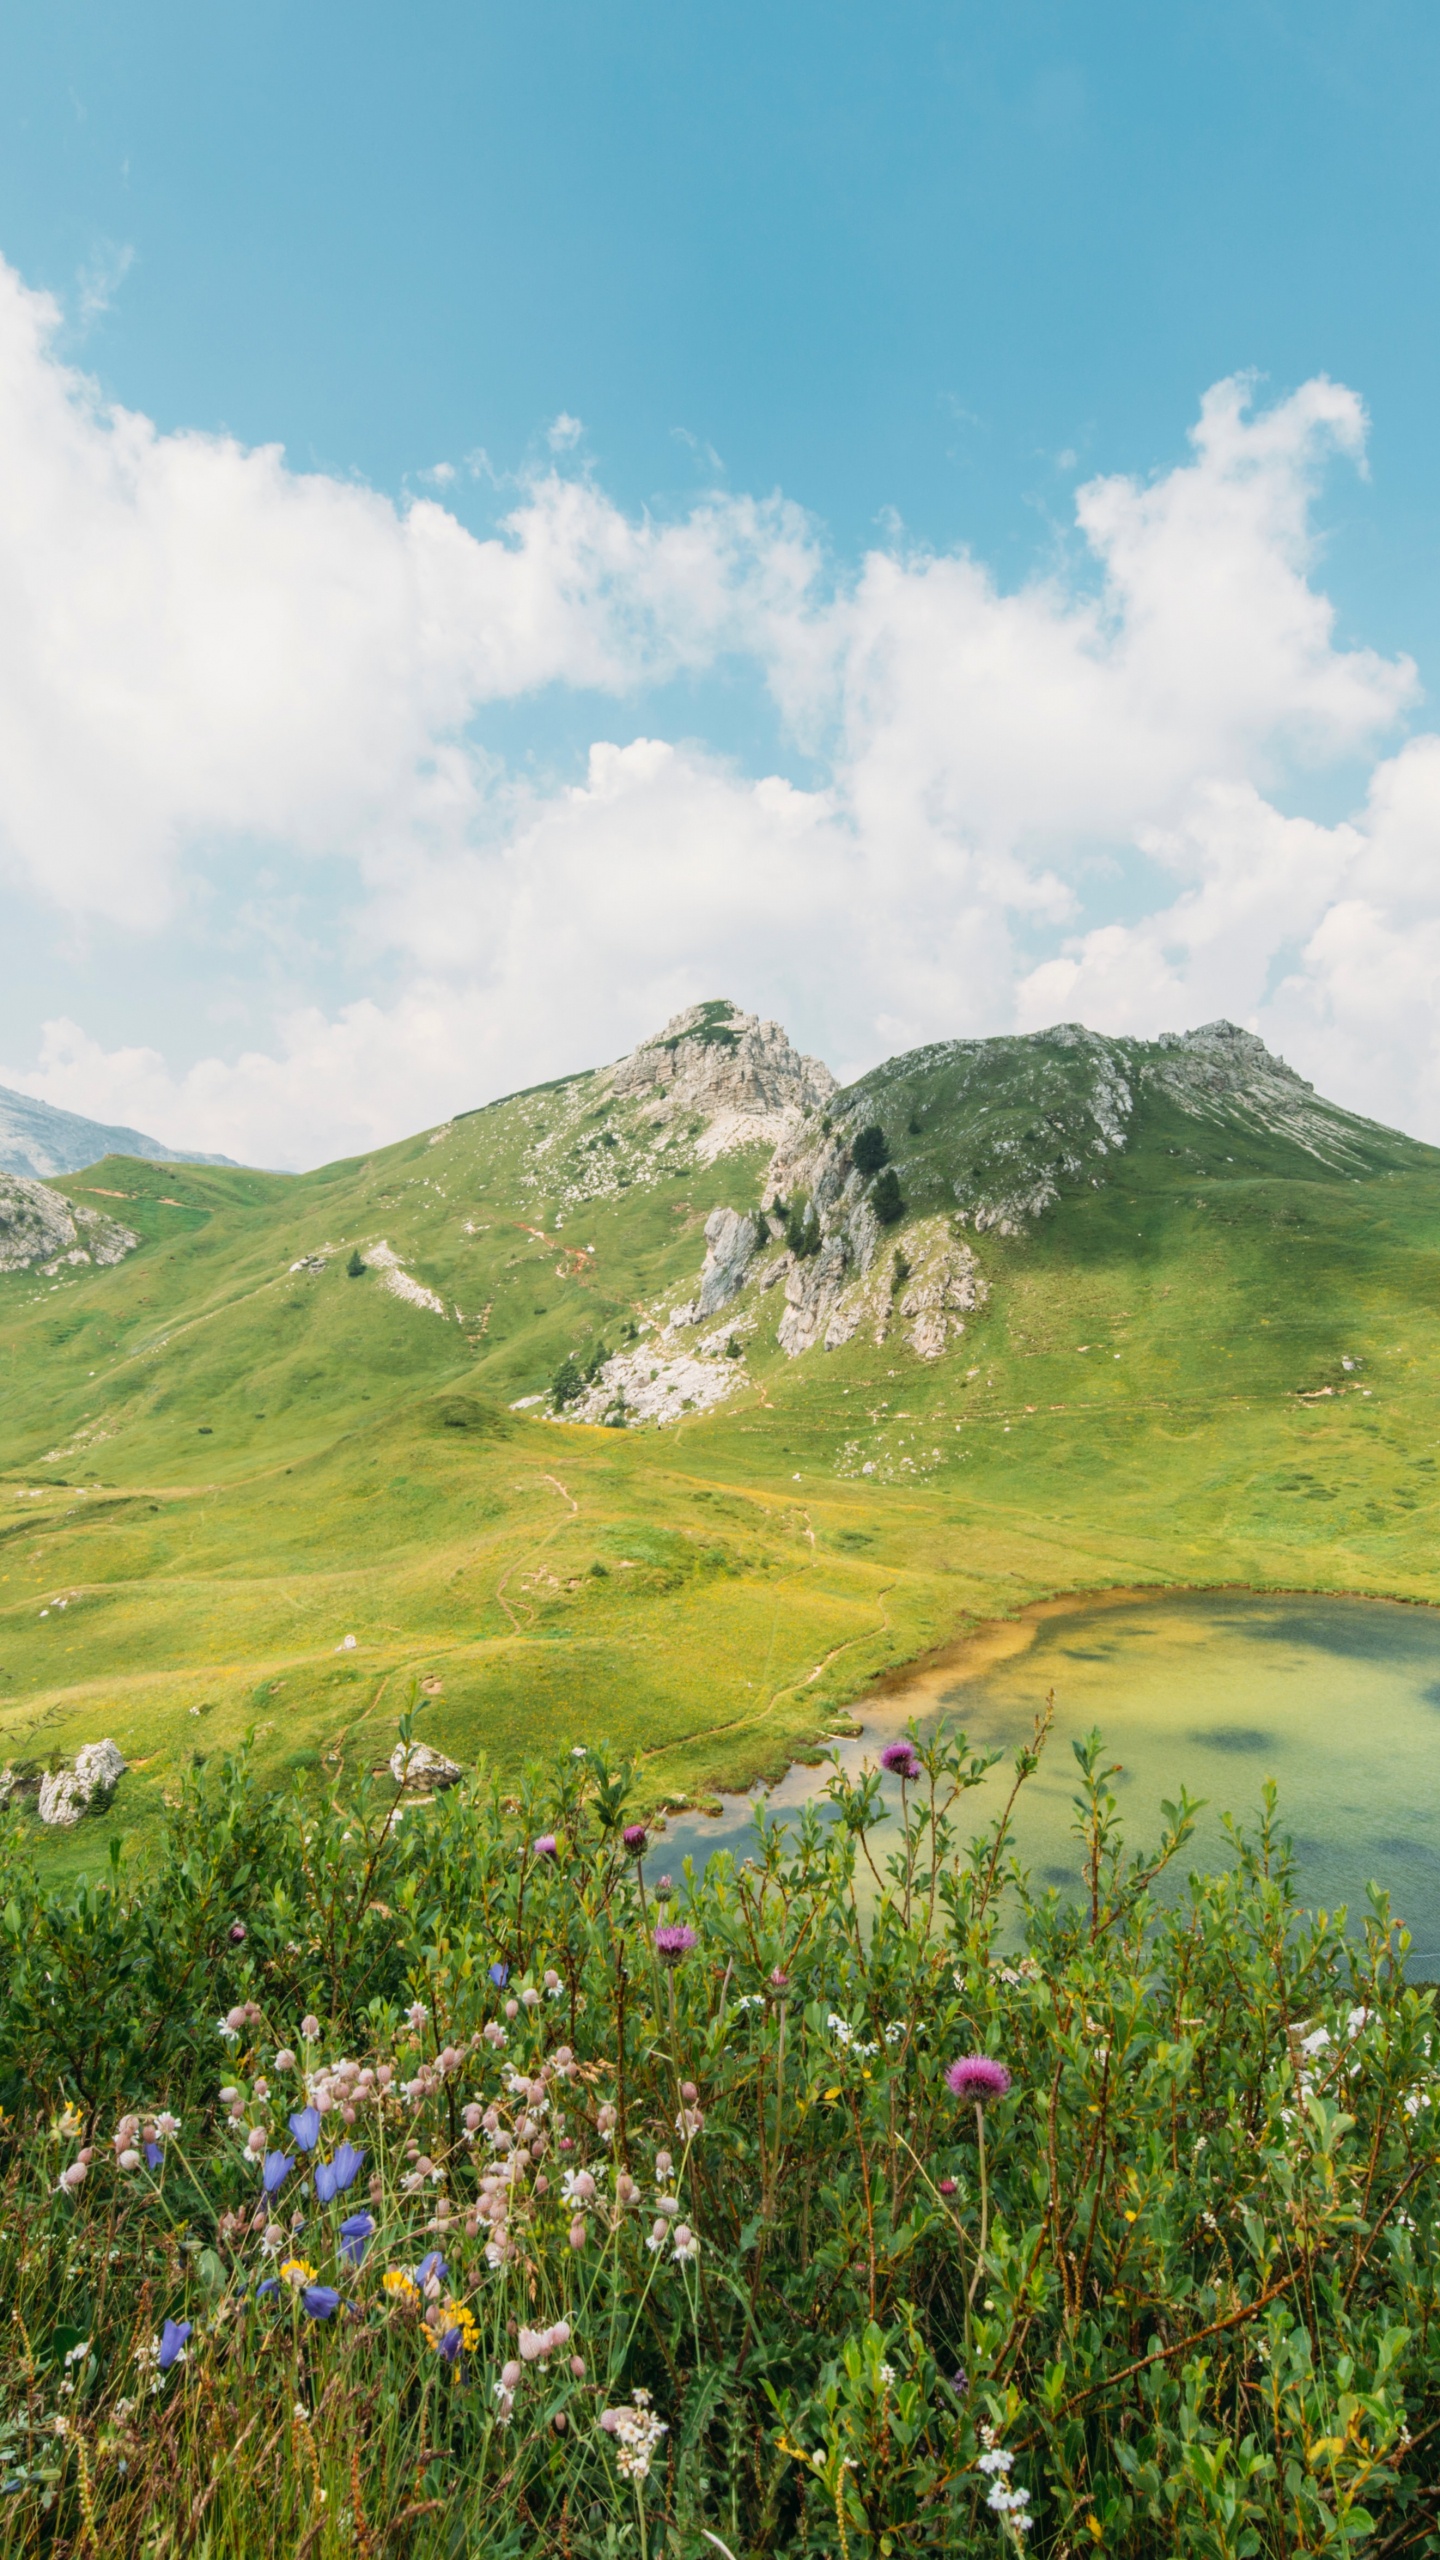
{"points": [[742, 1075], [67, 1793], [422, 1770], [41, 1226], [731, 1242]]}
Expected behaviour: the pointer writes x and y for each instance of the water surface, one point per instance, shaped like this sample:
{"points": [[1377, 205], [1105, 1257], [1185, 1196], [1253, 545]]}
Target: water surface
{"points": [[1338, 1700]]}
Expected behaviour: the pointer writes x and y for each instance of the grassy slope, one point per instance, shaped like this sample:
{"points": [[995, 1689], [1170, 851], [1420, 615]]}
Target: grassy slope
{"points": [[240, 1464]]}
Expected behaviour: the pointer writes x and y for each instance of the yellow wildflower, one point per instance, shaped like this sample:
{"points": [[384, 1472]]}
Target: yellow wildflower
{"points": [[297, 2271], [402, 2286]]}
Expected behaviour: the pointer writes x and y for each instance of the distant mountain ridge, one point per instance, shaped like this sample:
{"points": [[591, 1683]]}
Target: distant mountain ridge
{"points": [[39, 1140]]}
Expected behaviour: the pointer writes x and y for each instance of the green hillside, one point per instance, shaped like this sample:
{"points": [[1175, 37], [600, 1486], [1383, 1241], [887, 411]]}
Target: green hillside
{"points": [[1158, 1315]]}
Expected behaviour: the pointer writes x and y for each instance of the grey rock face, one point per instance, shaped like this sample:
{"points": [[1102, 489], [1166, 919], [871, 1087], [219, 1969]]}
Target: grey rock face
{"points": [[730, 1243], [742, 1074], [41, 1226], [67, 1793], [811, 1290], [422, 1770]]}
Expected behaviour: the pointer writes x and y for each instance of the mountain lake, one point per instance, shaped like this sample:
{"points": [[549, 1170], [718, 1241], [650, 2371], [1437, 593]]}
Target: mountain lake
{"points": [[1336, 1699]]}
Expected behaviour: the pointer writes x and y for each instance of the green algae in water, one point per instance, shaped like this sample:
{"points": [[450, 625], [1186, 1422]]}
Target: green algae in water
{"points": [[1337, 1700]]}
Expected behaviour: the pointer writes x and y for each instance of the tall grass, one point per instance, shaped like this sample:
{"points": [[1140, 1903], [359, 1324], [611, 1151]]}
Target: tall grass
{"points": [[429, 2181]]}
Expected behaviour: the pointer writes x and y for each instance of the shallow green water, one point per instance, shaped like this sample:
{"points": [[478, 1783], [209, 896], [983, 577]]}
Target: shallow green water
{"points": [[1337, 1700]]}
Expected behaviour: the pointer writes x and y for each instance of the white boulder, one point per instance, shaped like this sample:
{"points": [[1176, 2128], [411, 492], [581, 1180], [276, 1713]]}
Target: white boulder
{"points": [[425, 1771], [67, 1793]]}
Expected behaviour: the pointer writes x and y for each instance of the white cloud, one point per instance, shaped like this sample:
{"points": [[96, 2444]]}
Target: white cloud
{"points": [[203, 652], [101, 277]]}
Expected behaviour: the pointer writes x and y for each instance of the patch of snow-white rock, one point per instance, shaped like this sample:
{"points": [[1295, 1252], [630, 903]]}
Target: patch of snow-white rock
{"points": [[655, 1385], [393, 1276], [67, 1793]]}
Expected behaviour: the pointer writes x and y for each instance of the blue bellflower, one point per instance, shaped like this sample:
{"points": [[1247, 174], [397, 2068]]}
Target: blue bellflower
{"points": [[333, 2176], [172, 2343], [305, 2126], [321, 2301], [356, 2231], [278, 2165]]}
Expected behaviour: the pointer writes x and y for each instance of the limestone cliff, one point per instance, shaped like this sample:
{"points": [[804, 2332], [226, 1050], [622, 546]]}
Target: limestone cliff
{"points": [[41, 1226], [742, 1076]]}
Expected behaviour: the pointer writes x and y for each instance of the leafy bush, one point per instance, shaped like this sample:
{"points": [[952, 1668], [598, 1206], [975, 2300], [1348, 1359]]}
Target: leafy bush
{"points": [[448, 2185], [885, 1197], [869, 1150]]}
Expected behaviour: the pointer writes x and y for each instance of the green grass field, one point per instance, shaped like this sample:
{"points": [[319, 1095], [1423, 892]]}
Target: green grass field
{"points": [[214, 1468]]}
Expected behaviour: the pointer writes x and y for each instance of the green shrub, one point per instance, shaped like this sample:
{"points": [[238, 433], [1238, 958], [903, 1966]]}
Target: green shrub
{"points": [[1169, 2287], [885, 1197], [802, 1227], [569, 1382]]}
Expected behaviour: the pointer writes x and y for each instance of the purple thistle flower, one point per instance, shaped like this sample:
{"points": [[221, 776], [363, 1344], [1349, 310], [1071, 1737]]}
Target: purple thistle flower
{"points": [[901, 1760], [432, 2264], [636, 1839], [305, 2125], [673, 1940], [333, 2176], [320, 2301], [356, 2231], [976, 2078], [499, 1975], [547, 1846], [172, 2343], [238, 1933], [278, 2165]]}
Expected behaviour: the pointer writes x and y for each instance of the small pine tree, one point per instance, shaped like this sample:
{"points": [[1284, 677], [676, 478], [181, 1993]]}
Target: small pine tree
{"points": [[568, 1382], [885, 1197], [870, 1150], [902, 1269], [354, 1267], [802, 1228]]}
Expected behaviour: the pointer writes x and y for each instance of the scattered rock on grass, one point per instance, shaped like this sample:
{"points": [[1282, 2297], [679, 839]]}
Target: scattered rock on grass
{"points": [[422, 1769], [67, 1793]]}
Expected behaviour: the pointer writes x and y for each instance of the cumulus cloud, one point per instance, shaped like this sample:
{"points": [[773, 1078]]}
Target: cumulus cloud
{"points": [[205, 653]]}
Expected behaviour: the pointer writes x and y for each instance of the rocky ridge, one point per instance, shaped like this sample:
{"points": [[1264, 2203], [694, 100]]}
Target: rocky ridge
{"points": [[993, 1129], [40, 1226], [713, 1082]]}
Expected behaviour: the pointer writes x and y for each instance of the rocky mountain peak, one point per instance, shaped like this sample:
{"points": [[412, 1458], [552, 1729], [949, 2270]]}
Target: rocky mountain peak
{"points": [[744, 1077]]}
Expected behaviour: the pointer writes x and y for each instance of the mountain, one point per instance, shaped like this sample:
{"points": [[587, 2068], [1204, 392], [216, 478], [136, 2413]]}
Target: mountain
{"points": [[677, 1401], [38, 1139]]}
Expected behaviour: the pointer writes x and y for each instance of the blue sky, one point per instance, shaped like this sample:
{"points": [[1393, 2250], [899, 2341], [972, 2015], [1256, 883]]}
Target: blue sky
{"points": [[923, 273]]}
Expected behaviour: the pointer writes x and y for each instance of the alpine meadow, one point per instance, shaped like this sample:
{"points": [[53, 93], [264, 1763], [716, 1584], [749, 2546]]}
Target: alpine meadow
{"points": [[394, 2160]]}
